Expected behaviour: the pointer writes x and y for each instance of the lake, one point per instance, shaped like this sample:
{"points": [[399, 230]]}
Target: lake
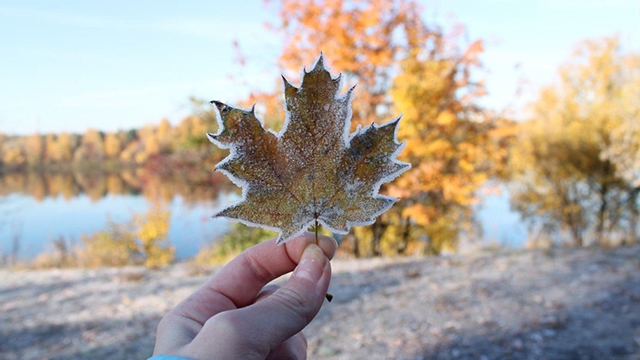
{"points": [[36, 209]]}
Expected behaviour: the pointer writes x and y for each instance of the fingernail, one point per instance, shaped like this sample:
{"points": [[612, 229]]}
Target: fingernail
{"points": [[334, 241], [311, 264]]}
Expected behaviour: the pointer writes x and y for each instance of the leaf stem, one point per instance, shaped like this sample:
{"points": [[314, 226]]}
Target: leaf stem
{"points": [[316, 231], [328, 296]]}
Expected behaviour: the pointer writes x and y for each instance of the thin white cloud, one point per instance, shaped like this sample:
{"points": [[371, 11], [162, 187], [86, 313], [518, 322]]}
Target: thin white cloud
{"points": [[200, 27], [62, 18], [87, 56], [222, 88], [221, 29], [126, 96]]}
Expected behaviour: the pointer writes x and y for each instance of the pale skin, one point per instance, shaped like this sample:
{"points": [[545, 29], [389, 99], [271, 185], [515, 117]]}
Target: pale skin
{"points": [[236, 315]]}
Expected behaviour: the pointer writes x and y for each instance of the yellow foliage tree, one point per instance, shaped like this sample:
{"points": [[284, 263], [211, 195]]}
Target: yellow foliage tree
{"points": [[112, 145], [165, 135], [151, 145], [152, 232], [128, 154], [454, 145], [35, 149], [142, 241], [66, 145], [576, 160], [50, 148], [112, 247], [191, 131], [13, 156], [91, 147]]}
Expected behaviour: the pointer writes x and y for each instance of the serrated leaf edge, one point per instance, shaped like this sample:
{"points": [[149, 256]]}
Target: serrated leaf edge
{"points": [[347, 137]]}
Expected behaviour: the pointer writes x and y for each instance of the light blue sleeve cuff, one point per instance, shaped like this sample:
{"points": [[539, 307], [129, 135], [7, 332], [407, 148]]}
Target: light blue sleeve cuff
{"points": [[167, 357]]}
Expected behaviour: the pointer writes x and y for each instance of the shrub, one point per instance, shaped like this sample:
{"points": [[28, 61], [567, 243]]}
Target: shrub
{"points": [[140, 241], [239, 238]]}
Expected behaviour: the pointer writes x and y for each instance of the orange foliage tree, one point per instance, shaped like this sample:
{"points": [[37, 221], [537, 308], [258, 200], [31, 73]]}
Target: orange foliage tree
{"points": [[401, 64], [362, 39]]}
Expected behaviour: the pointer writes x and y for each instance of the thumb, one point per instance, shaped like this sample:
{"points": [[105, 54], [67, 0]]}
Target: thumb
{"points": [[269, 322]]}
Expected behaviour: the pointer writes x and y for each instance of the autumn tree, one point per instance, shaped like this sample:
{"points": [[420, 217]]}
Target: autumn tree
{"points": [[112, 145], [165, 136], [50, 148], [129, 152], [268, 107], [134, 146], [623, 113], [403, 65], [3, 139], [34, 149], [364, 40], [13, 156], [91, 146], [191, 129], [66, 146], [141, 241], [152, 231], [576, 160], [151, 145], [454, 145]]}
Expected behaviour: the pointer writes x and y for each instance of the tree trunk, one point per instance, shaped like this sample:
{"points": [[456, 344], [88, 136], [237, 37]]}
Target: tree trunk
{"points": [[602, 212], [633, 217], [377, 229], [406, 231]]}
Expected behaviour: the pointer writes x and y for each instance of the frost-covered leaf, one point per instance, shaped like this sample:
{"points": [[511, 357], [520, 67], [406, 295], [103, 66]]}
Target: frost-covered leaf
{"points": [[314, 169]]}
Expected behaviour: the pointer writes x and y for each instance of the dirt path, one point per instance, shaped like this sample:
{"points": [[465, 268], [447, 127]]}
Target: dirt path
{"points": [[560, 304]]}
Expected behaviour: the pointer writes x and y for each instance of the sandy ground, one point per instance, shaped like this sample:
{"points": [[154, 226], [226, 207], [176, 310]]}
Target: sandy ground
{"points": [[504, 304]]}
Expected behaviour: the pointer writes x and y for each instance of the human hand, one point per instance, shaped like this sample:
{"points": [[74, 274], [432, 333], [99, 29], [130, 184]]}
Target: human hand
{"points": [[234, 316]]}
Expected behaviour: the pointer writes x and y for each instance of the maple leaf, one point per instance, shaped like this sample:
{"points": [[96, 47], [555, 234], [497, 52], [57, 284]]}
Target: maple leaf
{"points": [[313, 170]]}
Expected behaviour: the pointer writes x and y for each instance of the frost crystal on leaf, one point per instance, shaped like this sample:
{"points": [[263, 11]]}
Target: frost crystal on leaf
{"points": [[314, 169]]}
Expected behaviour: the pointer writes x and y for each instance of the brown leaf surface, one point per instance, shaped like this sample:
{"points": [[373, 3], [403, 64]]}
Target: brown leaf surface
{"points": [[314, 169]]}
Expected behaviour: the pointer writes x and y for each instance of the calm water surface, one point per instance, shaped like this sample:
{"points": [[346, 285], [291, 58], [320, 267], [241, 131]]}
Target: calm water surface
{"points": [[500, 224], [29, 223], [34, 224]]}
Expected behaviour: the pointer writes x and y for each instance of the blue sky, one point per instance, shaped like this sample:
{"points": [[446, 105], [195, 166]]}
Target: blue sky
{"points": [[69, 66]]}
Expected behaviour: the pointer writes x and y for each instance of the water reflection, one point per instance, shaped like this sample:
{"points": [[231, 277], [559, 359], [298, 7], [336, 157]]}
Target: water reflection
{"points": [[37, 209], [192, 187]]}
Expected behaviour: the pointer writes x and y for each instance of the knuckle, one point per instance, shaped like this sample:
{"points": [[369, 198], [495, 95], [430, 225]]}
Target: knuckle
{"points": [[303, 340], [226, 326], [270, 289], [295, 302], [224, 322], [165, 322], [262, 273], [267, 291]]}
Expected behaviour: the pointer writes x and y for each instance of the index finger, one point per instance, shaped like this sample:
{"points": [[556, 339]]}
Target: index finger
{"points": [[237, 284]]}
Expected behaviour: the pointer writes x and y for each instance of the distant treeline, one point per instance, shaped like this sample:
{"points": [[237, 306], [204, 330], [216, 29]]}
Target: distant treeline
{"points": [[93, 148], [192, 185]]}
